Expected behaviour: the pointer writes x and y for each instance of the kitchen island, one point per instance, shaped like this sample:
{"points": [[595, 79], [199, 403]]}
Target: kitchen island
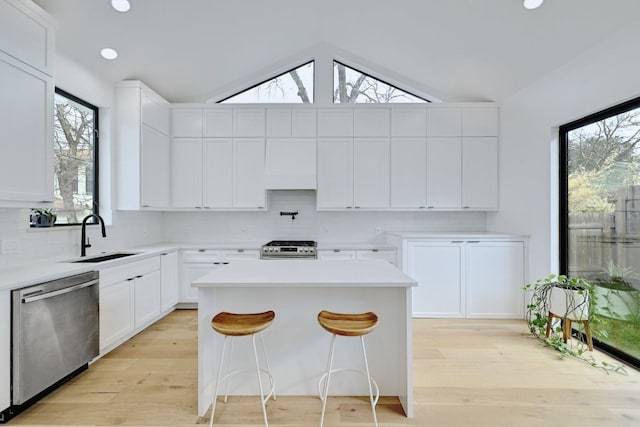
{"points": [[297, 347]]}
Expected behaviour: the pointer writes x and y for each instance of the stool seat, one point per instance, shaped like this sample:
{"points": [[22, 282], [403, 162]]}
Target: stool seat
{"points": [[234, 324], [348, 325]]}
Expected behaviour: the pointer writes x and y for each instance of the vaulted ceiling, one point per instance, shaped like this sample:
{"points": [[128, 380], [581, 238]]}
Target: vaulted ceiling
{"points": [[455, 50]]}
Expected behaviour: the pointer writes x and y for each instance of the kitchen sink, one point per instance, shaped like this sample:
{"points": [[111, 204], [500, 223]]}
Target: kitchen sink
{"points": [[106, 257]]}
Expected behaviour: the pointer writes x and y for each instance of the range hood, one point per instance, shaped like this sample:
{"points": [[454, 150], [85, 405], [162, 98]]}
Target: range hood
{"points": [[290, 164]]}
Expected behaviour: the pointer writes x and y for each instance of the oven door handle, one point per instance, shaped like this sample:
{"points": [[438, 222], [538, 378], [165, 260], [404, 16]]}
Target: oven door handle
{"points": [[38, 297]]}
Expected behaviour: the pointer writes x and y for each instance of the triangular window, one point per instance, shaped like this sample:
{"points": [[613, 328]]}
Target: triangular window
{"points": [[352, 86], [293, 86]]}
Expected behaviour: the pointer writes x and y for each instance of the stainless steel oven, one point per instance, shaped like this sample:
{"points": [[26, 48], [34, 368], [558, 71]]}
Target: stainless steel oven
{"points": [[283, 249], [55, 332]]}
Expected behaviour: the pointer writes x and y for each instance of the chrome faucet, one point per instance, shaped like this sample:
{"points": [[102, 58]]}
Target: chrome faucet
{"points": [[84, 243]]}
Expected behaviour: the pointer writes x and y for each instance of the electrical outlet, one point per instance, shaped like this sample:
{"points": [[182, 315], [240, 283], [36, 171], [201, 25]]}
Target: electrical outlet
{"points": [[10, 246]]}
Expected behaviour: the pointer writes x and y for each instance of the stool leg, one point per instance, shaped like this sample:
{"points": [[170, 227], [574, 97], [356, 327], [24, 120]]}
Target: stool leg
{"points": [[215, 389], [366, 367], [230, 358], [325, 391], [266, 362], [587, 332], [549, 321], [566, 332], [262, 400]]}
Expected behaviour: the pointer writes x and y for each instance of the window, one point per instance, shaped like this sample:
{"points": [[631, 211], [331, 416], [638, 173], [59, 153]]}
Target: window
{"points": [[75, 159], [353, 86], [600, 220], [293, 86]]}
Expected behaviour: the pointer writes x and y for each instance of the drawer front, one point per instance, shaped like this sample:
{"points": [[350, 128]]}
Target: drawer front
{"points": [[201, 255], [113, 275]]}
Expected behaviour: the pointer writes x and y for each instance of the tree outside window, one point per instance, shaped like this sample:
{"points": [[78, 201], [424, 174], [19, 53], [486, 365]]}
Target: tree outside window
{"points": [[75, 158]]}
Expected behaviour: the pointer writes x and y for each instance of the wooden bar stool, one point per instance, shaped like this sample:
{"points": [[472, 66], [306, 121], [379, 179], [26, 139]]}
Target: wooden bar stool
{"points": [[566, 328], [236, 325], [348, 325]]}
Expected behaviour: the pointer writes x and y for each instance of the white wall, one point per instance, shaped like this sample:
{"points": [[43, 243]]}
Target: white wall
{"points": [[604, 76], [309, 224]]}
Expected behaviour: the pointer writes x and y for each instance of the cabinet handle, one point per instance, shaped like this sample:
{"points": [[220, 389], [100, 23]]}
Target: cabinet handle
{"points": [[130, 279], [336, 250], [374, 250], [139, 276], [207, 207], [421, 207], [145, 206], [457, 241], [225, 263], [240, 250], [198, 207], [474, 241], [429, 207], [349, 207], [216, 263], [465, 207], [201, 250], [357, 207]]}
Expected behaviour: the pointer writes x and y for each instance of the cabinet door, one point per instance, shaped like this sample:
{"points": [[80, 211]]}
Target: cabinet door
{"points": [[336, 254], [248, 173], [155, 113], [146, 297], [278, 122], [218, 173], [218, 122], [437, 267], [371, 173], [408, 173], [408, 121], [26, 120], [186, 172], [495, 274], [303, 122], [248, 122], [5, 350], [116, 312], [480, 121], [186, 123], [155, 163], [335, 122], [444, 172], [335, 173], [191, 272], [169, 280], [237, 254], [371, 122], [480, 173], [444, 121]]}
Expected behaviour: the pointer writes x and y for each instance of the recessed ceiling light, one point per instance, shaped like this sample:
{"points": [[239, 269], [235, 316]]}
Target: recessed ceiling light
{"points": [[121, 5], [532, 4], [109, 53]]}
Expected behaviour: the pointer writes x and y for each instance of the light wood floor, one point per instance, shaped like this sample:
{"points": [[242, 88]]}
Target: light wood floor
{"points": [[466, 373]]}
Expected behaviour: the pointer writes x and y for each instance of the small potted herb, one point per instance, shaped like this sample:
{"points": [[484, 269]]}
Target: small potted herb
{"points": [[42, 217]]}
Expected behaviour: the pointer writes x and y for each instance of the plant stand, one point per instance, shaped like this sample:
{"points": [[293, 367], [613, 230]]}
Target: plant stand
{"points": [[566, 328], [569, 305]]}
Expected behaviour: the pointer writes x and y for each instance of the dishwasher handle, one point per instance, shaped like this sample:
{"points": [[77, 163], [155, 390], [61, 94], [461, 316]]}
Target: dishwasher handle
{"points": [[38, 297]]}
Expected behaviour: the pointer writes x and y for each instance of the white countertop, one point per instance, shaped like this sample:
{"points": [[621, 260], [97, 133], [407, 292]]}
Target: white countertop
{"points": [[455, 235], [306, 273]]}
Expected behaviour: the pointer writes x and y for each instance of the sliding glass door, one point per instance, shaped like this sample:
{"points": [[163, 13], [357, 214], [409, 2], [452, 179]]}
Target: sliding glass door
{"points": [[600, 219]]}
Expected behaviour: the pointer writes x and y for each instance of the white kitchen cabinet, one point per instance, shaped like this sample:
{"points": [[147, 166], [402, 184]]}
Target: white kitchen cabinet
{"points": [[437, 267], [186, 122], [303, 122], [480, 121], [480, 173], [371, 173], [444, 121], [248, 173], [129, 300], [169, 281], [375, 122], [142, 147], [249, 122], [466, 277], [335, 173], [495, 276], [186, 172], [228, 255], [408, 122], [336, 254], [218, 122], [444, 173], [291, 122], [5, 350], [408, 180], [146, 290], [218, 173], [335, 122], [290, 163], [116, 312]]}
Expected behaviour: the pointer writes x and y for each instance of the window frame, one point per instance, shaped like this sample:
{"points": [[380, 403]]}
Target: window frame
{"points": [[313, 92], [96, 154], [333, 85]]}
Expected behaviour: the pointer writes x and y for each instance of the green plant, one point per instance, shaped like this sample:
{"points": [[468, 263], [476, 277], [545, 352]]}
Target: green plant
{"points": [[582, 300], [47, 214]]}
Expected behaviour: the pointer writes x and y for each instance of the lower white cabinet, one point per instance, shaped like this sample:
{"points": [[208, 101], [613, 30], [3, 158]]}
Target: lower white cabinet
{"points": [[349, 254], [466, 278], [5, 350], [339, 254], [129, 300], [169, 280]]}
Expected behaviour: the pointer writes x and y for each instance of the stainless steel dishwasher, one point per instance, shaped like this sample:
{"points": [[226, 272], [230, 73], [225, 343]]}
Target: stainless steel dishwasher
{"points": [[55, 333]]}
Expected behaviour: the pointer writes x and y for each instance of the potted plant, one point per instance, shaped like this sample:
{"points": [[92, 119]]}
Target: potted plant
{"points": [[42, 217], [555, 302], [616, 297]]}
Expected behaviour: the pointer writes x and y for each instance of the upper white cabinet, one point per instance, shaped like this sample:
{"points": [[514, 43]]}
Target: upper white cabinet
{"points": [[371, 122], [290, 163], [408, 173], [186, 122], [248, 122], [218, 122], [407, 121], [248, 171], [480, 173], [186, 172], [444, 121], [291, 122], [217, 181], [371, 173], [335, 122], [142, 147], [335, 173], [444, 173], [27, 43], [480, 121]]}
